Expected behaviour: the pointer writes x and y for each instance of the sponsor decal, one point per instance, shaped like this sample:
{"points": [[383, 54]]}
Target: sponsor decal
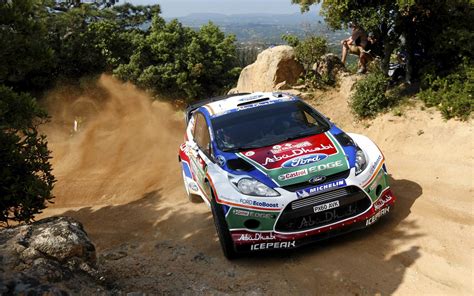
{"points": [[326, 217], [382, 201], [296, 152], [292, 175], [376, 182], [280, 154], [251, 98], [249, 153], [241, 212], [303, 160], [289, 146], [240, 108], [375, 217], [255, 203], [325, 166], [252, 214], [273, 245], [193, 186], [220, 160], [258, 236], [320, 188], [374, 166]]}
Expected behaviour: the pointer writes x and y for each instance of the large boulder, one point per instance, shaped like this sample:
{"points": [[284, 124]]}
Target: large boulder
{"points": [[52, 256], [329, 67], [274, 67]]}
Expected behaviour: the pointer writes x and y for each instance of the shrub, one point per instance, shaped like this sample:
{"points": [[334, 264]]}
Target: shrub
{"points": [[369, 97], [25, 174], [452, 94], [309, 52]]}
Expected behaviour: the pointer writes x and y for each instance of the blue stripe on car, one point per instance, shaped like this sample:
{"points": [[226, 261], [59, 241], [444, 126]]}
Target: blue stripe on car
{"points": [[186, 169]]}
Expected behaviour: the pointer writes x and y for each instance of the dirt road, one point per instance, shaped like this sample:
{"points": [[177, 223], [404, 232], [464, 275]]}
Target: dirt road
{"points": [[119, 175]]}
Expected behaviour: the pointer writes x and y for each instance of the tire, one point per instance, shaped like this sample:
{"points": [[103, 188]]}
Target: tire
{"points": [[222, 229], [194, 198]]}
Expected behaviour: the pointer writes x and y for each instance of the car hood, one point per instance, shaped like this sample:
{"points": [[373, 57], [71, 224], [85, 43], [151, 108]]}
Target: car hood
{"points": [[299, 160]]}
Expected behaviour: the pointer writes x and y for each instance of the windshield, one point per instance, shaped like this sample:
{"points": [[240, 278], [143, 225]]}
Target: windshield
{"points": [[267, 125]]}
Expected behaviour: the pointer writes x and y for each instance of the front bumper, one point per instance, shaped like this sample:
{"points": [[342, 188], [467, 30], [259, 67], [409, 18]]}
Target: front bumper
{"points": [[249, 241]]}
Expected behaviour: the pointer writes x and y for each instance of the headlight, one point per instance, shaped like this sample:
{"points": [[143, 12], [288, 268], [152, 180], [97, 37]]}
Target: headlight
{"points": [[361, 162], [250, 186]]}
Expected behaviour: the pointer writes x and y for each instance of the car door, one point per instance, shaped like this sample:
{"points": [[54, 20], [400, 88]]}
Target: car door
{"points": [[200, 152]]}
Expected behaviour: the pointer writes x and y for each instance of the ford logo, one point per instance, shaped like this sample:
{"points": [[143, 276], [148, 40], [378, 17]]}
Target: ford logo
{"points": [[303, 160], [317, 180]]}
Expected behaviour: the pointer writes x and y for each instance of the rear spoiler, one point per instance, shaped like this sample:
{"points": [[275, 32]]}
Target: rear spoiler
{"points": [[191, 107]]}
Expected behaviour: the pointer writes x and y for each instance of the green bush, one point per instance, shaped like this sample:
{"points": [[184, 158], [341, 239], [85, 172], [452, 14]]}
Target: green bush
{"points": [[370, 96], [25, 174], [176, 60], [309, 52], [453, 94]]}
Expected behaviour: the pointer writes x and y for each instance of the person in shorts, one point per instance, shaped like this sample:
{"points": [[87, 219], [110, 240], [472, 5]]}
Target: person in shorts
{"points": [[356, 45]]}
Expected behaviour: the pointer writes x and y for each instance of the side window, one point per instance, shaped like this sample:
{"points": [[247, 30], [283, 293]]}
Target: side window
{"points": [[310, 119], [201, 134]]}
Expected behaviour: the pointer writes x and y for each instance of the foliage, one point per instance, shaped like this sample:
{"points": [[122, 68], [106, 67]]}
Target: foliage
{"points": [[438, 30], [46, 41], [292, 40], [309, 52], [452, 94], [370, 96], [25, 176], [25, 55], [174, 59], [435, 36]]}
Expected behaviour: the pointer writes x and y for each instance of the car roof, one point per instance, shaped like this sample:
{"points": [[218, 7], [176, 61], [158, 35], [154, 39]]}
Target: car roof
{"points": [[244, 101]]}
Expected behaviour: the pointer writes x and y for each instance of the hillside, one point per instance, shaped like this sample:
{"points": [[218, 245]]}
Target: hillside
{"points": [[119, 176]]}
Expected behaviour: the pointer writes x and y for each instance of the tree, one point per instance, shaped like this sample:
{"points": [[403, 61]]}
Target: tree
{"points": [[25, 56], [25, 176], [176, 60], [415, 26]]}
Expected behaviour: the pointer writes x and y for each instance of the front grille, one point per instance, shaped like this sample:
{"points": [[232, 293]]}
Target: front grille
{"points": [[303, 185], [299, 215]]}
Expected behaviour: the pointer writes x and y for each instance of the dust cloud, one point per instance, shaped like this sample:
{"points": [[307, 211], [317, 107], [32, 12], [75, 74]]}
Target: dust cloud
{"points": [[110, 143]]}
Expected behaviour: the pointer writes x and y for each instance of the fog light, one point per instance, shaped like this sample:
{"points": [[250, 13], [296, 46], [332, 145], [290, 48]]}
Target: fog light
{"points": [[251, 224]]}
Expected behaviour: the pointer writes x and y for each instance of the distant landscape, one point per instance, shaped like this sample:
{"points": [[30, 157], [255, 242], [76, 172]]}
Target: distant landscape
{"points": [[258, 31], [264, 28]]}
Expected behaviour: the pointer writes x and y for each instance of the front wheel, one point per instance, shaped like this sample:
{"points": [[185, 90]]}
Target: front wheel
{"points": [[222, 229]]}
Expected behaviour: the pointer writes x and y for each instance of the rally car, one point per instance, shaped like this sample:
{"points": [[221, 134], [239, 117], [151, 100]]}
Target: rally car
{"points": [[277, 174]]}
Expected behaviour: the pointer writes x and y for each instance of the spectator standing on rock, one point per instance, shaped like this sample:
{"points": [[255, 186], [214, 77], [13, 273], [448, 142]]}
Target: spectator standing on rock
{"points": [[356, 45]]}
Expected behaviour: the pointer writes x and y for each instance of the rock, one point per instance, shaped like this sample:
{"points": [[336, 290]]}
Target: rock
{"points": [[136, 294], [330, 66], [115, 255], [53, 256], [282, 85], [233, 91], [273, 67]]}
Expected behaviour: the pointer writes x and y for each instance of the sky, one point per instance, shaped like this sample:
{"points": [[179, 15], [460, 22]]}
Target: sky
{"points": [[177, 8]]}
